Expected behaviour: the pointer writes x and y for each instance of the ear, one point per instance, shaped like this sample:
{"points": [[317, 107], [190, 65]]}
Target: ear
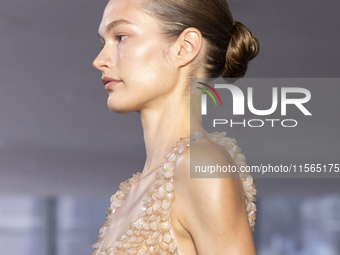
{"points": [[187, 46]]}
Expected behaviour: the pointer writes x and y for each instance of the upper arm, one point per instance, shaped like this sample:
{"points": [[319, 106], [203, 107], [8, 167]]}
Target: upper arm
{"points": [[212, 210]]}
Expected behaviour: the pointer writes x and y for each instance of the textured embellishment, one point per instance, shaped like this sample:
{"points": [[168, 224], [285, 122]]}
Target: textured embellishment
{"points": [[151, 232]]}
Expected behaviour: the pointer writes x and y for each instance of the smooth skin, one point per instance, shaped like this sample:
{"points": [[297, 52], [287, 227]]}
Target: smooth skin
{"points": [[208, 215]]}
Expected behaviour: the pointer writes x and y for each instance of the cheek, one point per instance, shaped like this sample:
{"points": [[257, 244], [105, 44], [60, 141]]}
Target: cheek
{"points": [[142, 61]]}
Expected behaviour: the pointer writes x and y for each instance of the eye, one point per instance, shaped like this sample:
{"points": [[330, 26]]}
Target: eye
{"points": [[119, 37]]}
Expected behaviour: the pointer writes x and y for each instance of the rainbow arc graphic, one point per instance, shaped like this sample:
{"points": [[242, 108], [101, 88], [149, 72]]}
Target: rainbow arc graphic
{"points": [[209, 93]]}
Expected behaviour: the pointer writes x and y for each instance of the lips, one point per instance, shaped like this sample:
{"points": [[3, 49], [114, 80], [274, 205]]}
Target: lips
{"points": [[109, 82], [106, 80]]}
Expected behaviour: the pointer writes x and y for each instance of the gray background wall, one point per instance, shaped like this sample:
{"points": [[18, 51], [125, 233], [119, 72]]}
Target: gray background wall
{"points": [[57, 135]]}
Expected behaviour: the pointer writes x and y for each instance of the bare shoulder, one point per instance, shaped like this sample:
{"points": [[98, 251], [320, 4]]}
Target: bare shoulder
{"points": [[212, 210], [203, 152]]}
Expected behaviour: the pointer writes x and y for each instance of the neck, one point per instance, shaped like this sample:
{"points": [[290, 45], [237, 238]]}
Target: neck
{"points": [[164, 122]]}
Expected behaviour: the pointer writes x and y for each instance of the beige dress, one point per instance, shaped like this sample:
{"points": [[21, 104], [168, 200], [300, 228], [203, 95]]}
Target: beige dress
{"points": [[152, 232]]}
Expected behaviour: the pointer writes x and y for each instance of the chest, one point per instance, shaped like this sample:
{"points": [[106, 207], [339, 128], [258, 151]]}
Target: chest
{"points": [[128, 211]]}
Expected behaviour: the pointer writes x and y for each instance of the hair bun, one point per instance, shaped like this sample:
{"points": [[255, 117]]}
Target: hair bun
{"points": [[242, 48]]}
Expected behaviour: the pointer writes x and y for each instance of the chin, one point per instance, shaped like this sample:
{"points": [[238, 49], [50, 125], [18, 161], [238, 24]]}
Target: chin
{"points": [[119, 107]]}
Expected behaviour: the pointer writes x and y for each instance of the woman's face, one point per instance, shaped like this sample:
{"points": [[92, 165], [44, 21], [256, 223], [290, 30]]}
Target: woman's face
{"points": [[132, 55]]}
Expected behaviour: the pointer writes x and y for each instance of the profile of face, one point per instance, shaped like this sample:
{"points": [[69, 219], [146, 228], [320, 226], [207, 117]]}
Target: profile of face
{"points": [[133, 54]]}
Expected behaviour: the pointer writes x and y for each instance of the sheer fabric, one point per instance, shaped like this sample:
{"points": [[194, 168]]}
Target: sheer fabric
{"points": [[152, 232]]}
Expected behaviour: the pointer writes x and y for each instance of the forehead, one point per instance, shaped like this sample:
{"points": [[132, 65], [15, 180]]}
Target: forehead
{"points": [[122, 9]]}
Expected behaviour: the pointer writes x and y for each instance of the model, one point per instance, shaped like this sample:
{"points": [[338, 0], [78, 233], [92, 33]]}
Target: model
{"points": [[151, 49]]}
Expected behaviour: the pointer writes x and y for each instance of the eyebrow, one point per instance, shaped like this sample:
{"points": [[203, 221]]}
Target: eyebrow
{"points": [[115, 23]]}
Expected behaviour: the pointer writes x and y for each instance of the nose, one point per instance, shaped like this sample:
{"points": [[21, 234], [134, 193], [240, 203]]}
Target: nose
{"points": [[101, 62]]}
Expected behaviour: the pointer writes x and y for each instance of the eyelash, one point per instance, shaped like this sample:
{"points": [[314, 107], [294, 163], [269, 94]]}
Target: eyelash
{"points": [[118, 36]]}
